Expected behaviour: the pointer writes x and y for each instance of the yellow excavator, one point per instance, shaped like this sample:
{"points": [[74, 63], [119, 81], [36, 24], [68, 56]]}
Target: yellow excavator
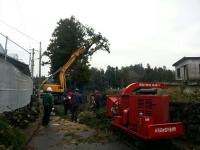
{"points": [[58, 89]]}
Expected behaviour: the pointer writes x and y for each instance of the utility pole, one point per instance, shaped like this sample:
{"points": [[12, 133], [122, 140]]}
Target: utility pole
{"points": [[40, 57], [6, 51], [30, 60], [32, 63]]}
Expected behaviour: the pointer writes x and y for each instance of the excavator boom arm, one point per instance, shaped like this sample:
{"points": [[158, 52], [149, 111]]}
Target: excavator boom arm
{"points": [[63, 70]]}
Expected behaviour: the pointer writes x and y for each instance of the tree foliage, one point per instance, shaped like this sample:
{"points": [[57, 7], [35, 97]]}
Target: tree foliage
{"points": [[68, 36], [113, 77]]}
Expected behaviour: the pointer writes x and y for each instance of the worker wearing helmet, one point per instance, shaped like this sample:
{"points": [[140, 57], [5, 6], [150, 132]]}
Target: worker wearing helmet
{"points": [[48, 105]]}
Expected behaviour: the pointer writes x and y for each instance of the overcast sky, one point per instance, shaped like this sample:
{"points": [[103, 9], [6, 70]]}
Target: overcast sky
{"points": [[158, 32]]}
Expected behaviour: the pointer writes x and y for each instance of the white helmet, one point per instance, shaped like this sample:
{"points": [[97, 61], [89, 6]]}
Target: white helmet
{"points": [[49, 89]]}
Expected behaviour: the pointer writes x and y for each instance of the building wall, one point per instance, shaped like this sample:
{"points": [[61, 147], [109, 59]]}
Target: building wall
{"points": [[194, 70], [191, 71], [15, 87]]}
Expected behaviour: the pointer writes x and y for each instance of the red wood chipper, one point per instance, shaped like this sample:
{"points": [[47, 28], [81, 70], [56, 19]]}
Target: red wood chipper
{"points": [[144, 114]]}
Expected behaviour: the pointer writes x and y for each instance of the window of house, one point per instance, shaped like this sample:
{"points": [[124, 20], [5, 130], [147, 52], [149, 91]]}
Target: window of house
{"points": [[178, 73]]}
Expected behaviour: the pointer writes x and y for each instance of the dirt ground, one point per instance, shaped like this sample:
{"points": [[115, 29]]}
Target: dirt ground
{"points": [[63, 134]]}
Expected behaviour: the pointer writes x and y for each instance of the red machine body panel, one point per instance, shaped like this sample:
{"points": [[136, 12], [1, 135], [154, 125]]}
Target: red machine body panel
{"points": [[167, 130], [142, 113], [156, 107], [112, 100]]}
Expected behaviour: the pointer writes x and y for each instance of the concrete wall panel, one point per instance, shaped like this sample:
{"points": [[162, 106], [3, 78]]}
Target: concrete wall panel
{"points": [[15, 87]]}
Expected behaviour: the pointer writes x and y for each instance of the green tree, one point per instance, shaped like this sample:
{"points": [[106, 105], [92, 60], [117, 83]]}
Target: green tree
{"points": [[97, 80], [129, 75], [68, 36], [113, 77], [110, 76]]}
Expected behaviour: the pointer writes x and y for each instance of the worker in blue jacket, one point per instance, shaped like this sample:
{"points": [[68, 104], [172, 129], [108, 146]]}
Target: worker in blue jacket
{"points": [[65, 95], [76, 101]]}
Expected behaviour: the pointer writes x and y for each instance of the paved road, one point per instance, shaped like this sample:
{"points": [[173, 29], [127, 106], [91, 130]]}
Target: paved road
{"points": [[62, 134]]}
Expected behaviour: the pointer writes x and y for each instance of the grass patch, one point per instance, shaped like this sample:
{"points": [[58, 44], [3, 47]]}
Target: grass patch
{"points": [[96, 119], [180, 94], [10, 138], [72, 135], [69, 134], [99, 121], [59, 111]]}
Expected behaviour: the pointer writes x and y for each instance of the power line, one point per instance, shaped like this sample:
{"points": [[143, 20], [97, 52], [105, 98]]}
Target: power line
{"points": [[24, 34], [19, 10], [15, 43]]}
